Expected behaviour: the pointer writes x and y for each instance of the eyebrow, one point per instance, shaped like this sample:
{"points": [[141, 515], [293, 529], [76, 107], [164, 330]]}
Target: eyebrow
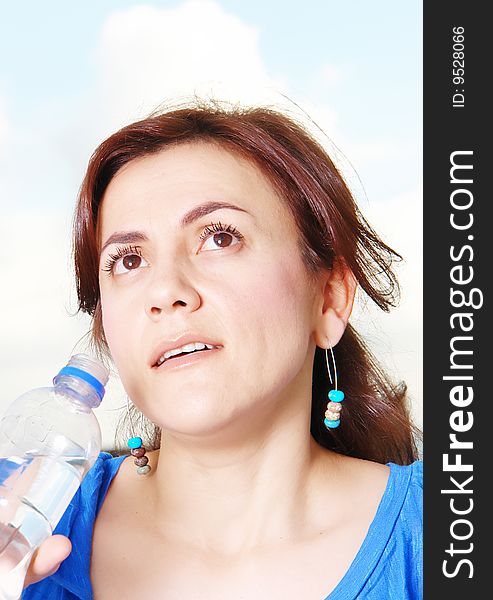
{"points": [[130, 237]]}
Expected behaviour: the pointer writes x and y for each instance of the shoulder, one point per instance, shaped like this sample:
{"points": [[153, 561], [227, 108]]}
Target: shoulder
{"points": [[403, 554], [402, 503], [72, 578], [387, 499], [410, 520], [399, 487], [409, 481], [396, 536], [95, 484], [90, 494], [415, 472]]}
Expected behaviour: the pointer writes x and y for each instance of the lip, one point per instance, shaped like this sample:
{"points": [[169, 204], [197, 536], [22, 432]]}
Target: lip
{"points": [[182, 340]]}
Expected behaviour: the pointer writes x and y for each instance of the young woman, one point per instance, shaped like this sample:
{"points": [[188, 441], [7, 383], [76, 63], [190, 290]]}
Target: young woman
{"points": [[218, 251]]}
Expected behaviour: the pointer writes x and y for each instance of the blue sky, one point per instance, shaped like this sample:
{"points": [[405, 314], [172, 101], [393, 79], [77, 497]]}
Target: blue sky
{"points": [[73, 72]]}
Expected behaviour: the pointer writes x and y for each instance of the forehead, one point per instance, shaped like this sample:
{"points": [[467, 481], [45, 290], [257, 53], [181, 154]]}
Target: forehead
{"points": [[153, 193], [188, 173]]}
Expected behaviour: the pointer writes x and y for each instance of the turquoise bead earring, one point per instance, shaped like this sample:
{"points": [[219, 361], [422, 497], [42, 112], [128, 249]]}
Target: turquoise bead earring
{"points": [[333, 412], [137, 449]]}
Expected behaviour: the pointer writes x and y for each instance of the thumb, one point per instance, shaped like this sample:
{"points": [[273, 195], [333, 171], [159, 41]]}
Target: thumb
{"points": [[47, 558]]}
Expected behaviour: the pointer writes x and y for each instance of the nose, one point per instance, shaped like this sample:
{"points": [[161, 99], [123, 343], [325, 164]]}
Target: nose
{"points": [[171, 292]]}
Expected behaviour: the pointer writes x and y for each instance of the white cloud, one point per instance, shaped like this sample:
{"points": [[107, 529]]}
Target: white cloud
{"points": [[147, 55]]}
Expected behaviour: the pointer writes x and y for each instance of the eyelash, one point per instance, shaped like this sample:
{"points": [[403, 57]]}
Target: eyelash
{"points": [[209, 230]]}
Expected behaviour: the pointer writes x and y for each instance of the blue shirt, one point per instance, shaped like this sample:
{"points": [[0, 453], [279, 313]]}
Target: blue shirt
{"points": [[388, 565]]}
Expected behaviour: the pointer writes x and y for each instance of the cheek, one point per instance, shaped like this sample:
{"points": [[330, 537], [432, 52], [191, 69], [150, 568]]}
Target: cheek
{"points": [[275, 327], [115, 325], [283, 290], [120, 334], [277, 307]]}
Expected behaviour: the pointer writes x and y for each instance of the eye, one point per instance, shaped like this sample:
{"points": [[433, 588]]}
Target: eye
{"points": [[220, 236], [126, 259], [130, 262]]}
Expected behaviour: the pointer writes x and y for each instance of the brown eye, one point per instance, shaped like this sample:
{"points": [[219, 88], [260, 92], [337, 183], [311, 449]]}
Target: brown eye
{"points": [[131, 261], [223, 239], [127, 263]]}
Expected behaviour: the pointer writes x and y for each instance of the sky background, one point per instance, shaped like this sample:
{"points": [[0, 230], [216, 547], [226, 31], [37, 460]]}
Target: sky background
{"points": [[71, 73]]}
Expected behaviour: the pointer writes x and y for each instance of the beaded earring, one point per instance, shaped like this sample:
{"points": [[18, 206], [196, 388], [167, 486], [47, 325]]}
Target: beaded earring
{"points": [[137, 449], [333, 412]]}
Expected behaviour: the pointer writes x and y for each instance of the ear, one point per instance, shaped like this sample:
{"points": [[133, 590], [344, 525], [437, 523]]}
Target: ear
{"points": [[337, 291]]}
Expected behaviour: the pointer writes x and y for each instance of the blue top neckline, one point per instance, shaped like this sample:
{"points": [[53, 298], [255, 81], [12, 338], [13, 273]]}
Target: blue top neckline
{"points": [[377, 536]]}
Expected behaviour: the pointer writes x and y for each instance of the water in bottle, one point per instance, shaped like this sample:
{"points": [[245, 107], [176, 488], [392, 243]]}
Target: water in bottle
{"points": [[49, 439]]}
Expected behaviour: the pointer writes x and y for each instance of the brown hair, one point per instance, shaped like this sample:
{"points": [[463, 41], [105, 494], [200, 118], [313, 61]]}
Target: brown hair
{"points": [[376, 424]]}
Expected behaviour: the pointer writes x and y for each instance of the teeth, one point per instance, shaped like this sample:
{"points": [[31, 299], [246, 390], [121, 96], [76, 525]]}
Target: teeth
{"points": [[187, 348]]}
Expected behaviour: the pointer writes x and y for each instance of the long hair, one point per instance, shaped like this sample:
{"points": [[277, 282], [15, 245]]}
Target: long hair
{"points": [[377, 424]]}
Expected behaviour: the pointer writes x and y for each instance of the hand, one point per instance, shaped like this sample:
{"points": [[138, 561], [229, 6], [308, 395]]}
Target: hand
{"points": [[47, 558]]}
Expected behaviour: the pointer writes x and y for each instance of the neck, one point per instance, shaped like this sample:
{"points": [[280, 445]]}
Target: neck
{"points": [[240, 492]]}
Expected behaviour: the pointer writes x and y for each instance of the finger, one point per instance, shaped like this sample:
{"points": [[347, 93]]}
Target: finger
{"points": [[47, 558]]}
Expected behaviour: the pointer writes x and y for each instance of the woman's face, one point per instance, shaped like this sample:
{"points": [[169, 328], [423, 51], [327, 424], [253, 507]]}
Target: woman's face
{"points": [[229, 276]]}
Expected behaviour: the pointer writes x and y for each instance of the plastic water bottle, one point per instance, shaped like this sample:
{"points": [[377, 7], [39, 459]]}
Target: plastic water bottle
{"points": [[49, 439]]}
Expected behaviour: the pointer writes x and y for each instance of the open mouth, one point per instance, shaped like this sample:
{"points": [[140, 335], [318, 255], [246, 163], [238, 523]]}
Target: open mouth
{"points": [[158, 364], [189, 349]]}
